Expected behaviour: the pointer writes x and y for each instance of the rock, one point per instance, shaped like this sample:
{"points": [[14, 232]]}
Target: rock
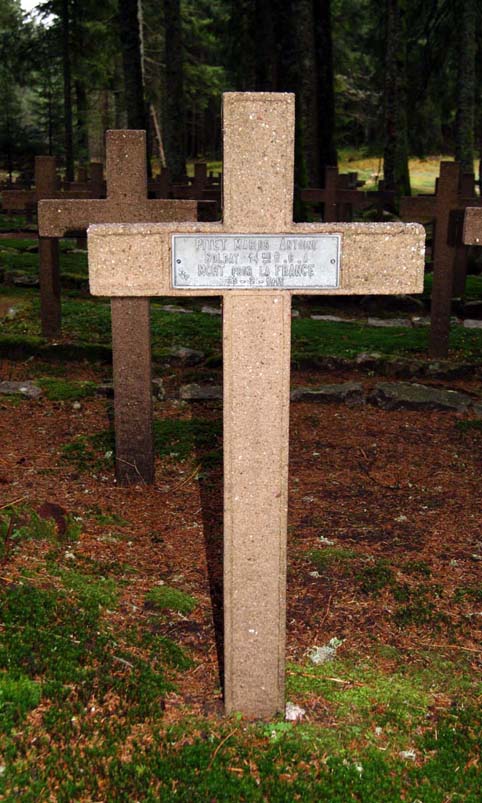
{"points": [[473, 309], [76, 405], [411, 396], [401, 303], [174, 308], [333, 318], [294, 712], [421, 321], [27, 389], [320, 655], [211, 310], [369, 360], [11, 313], [295, 313], [195, 392], [345, 392], [186, 356], [158, 389], [24, 280], [389, 322], [471, 323]]}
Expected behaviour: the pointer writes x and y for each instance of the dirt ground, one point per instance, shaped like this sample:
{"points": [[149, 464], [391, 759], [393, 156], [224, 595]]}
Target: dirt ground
{"points": [[399, 489]]}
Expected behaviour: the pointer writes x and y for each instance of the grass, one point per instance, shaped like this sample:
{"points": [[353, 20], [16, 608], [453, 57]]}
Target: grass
{"points": [[165, 598], [174, 438], [423, 172], [56, 389]]}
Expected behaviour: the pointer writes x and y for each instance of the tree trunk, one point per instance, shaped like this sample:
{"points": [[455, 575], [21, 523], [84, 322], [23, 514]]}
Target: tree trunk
{"points": [[82, 140], [130, 38], [325, 94], [69, 145], [174, 113], [395, 157], [464, 131]]}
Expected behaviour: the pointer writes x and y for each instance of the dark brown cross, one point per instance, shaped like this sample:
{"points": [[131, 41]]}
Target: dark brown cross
{"points": [[337, 200], [439, 209], [126, 202]]}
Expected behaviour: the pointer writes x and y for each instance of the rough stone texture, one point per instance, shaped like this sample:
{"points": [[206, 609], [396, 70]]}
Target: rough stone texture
{"points": [[376, 257], [472, 324], [195, 392], [28, 389], [473, 227], [406, 396], [350, 393]]}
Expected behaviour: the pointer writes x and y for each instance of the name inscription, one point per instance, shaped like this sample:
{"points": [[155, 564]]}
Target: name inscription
{"points": [[256, 261]]}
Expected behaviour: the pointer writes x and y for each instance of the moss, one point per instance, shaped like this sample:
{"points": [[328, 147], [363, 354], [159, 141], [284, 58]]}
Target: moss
{"points": [[57, 389], [331, 556], [162, 598]]}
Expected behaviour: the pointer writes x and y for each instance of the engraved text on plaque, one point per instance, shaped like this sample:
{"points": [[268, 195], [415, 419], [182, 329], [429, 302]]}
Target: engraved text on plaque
{"points": [[251, 261]]}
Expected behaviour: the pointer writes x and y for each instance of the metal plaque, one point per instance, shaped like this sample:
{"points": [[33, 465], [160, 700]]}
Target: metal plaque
{"points": [[256, 261]]}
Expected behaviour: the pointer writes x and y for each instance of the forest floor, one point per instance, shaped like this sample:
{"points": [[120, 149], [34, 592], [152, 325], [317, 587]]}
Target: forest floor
{"points": [[111, 598]]}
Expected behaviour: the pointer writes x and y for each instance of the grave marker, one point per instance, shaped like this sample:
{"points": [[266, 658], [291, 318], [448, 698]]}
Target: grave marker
{"points": [[256, 259], [440, 208], [131, 351]]}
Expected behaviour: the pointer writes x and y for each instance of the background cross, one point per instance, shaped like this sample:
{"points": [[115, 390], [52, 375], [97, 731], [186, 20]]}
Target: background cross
{"points": [[450, 196], [131, 351]]}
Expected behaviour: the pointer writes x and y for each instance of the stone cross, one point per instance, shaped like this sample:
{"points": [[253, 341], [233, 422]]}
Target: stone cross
{"points": [[257, 258], [131, 352], [439, 208]]}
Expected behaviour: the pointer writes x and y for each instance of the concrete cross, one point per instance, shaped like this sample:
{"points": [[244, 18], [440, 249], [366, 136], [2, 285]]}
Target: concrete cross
{"points": [[439, 208], [126, 201], [257, 258]]}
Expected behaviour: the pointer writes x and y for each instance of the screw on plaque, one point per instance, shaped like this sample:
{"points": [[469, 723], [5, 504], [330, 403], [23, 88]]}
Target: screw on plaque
{"points": [[178, 261]]}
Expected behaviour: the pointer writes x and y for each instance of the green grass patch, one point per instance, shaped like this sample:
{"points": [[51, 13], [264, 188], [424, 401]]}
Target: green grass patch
{"points": [[176, 438], [57, 389], [332, 557], [472, 426], [375, 576], [166, 598]]}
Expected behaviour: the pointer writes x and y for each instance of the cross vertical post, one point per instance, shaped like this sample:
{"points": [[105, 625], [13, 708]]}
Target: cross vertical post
{"points": [[126, 174], [48, 249], [256, 369]]}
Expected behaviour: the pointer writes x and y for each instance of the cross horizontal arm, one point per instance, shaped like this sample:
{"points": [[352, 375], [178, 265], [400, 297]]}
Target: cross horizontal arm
{"points": [[135, 260], [473, 227], [59, 218], [420, 207]]}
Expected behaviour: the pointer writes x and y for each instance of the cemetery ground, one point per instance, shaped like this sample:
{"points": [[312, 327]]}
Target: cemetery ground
{"points": [[111, 598]]}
